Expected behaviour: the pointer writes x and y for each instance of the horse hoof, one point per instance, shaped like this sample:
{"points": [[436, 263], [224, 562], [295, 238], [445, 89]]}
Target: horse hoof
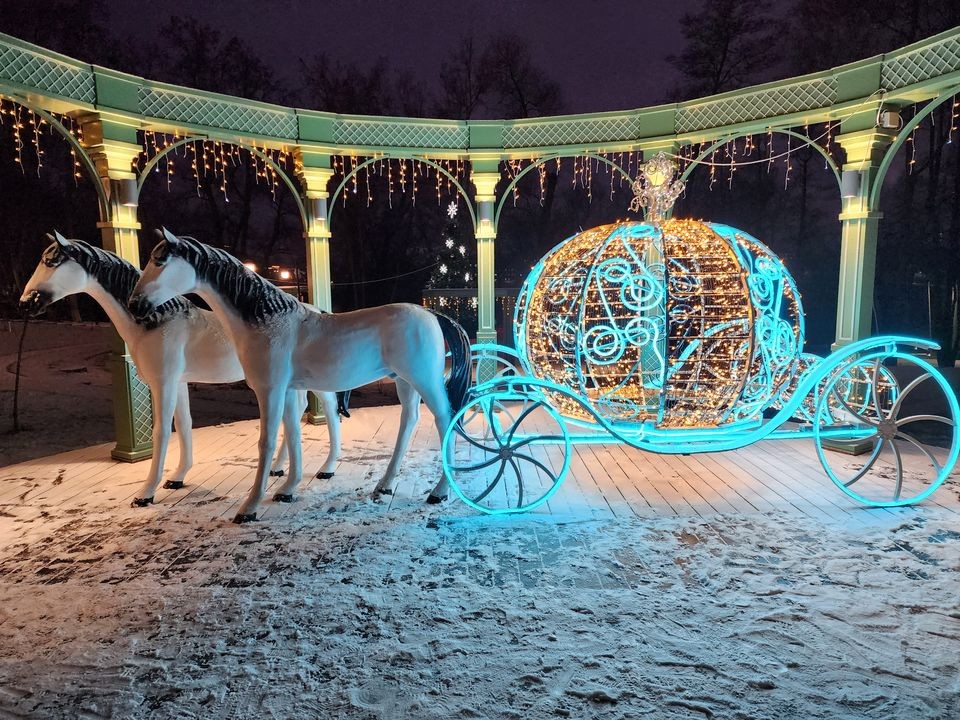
{"points": [[435, 499], [242, 518], [382, 491], [283, 497], [173, 484], [276, 473], [141, 502], [321, 475]]}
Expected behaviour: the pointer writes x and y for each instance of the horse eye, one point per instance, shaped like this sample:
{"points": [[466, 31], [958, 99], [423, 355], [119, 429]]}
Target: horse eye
{"points": [[52, 259]]}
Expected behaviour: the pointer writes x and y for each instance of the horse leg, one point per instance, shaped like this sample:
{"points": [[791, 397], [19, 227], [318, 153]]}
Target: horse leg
{"points": [[164, 397], [183, 422], [409, 415], [277, 469], [292, 412], [271, 402], [329, 402], [435, 397]]}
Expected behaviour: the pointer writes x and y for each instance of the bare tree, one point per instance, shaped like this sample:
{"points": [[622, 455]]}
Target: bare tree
{"points": [[729, 44], [462, 82], [517, 87]]}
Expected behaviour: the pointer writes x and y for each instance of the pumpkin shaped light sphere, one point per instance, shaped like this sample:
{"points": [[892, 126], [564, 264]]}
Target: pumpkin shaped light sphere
{"points": [[680, 323]]}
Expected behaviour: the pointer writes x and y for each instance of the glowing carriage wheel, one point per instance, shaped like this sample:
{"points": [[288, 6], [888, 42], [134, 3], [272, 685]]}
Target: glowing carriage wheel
{"points": [[899, 469], [511, 451]]}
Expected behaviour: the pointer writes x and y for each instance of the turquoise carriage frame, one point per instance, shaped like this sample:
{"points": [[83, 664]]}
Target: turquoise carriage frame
{"points": [[510, 445]]}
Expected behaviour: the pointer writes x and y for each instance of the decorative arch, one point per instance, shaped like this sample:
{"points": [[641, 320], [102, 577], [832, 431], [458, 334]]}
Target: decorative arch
{"points": [[901, 138], [440, 169], [782, 131], [88, 165], [281, 173], [541, 161]]}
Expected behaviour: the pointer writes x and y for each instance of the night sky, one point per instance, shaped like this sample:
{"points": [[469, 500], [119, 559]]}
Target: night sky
{"points": [[605, 54]]}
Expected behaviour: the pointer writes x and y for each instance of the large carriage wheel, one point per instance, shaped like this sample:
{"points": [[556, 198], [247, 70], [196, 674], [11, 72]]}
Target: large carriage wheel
{"points": [[899, 468], [510, 452]]}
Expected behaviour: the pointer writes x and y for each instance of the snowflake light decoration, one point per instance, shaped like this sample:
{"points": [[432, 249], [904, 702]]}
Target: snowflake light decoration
{"points": [[452, 210]]}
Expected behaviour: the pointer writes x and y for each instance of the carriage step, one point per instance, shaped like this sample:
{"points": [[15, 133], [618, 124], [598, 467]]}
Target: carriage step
{"points": [[858, 446]]}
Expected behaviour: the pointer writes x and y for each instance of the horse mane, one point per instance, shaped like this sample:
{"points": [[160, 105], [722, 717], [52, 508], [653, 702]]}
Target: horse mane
{"points": [[118, 277], [255, 298]]}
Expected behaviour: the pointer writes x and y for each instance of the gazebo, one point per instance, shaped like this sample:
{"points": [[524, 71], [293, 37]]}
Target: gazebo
{"points": [[112, 119]]}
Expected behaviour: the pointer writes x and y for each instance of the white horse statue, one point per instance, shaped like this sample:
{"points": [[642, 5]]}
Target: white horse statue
{"points": [[176, 344], [285, 345]]}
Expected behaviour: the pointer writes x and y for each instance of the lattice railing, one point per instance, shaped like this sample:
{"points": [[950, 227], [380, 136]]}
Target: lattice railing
{"points": [[33, 70], [215, 112], [921, 64], [770, 102], [571, 132], [394, 133]]}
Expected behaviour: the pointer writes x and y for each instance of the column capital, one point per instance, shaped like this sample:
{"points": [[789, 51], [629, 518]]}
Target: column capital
{"points": [[485, 184], [315, 181], [865, 148]]}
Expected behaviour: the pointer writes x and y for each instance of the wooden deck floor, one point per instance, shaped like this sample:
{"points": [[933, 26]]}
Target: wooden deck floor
{"points": [[606, 481]]}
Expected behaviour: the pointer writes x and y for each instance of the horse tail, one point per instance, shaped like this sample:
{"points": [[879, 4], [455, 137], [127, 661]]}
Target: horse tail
{"points": [[459, 344]]}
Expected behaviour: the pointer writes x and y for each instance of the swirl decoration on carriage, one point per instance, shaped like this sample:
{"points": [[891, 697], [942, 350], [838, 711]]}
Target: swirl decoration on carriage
{"points": [[681, 336]]}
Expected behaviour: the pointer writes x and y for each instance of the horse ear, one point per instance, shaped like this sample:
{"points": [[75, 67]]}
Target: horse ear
{"points": [[170, 237], [159, 233], [58, 238]]}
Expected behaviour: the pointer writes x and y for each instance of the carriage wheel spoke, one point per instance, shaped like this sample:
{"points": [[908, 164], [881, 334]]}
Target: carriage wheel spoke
{"points": [[896, 455], [535, 438], [519, 482], [520, 419], [906, 391], [493, 484], [849, 409], [916, 443], [531, 459], [478, 466], [935, 418], [495, 429], [870, 461], [466, 436]]}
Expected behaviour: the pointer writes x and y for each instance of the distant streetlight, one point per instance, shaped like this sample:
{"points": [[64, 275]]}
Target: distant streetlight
{"points": [[284, 274], [250, 265]]}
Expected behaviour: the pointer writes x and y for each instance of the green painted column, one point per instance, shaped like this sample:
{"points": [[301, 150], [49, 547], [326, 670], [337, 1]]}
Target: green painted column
{"points": [[485, 182], [858, 233], [314, 172], [112, 144]]}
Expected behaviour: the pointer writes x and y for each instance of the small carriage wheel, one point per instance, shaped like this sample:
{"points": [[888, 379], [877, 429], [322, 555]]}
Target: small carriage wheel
{"points": [[899, 469], [506, 461], [497, 362], [846, 391]]}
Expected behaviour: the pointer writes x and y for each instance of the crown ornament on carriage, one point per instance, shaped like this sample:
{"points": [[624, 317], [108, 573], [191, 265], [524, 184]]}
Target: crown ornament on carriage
{"points": [[655, 189]]}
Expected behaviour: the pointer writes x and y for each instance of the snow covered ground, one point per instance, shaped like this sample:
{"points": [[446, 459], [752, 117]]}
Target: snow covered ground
{"points": [[343, 608]]}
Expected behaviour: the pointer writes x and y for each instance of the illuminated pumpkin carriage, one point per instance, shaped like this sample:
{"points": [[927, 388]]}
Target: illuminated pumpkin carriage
{"points": [[679, 336]]}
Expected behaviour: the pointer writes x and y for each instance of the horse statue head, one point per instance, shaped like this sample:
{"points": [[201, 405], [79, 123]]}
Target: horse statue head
{"points": [[73, 266], [168, 273]]}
